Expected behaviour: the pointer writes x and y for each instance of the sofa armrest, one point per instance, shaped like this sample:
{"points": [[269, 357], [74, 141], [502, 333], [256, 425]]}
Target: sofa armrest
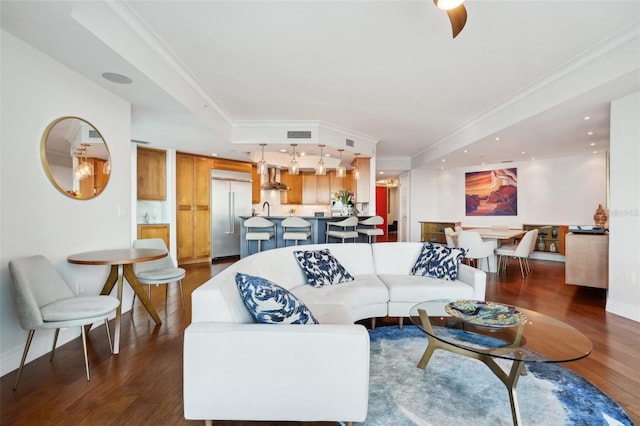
{"points": [[276, 372], [475, 278]]}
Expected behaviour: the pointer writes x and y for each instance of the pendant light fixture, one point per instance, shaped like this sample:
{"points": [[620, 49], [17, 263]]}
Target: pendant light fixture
{"points": [[355, 173], [341, 171], [294, 167], [321, 170], [262, 165]]}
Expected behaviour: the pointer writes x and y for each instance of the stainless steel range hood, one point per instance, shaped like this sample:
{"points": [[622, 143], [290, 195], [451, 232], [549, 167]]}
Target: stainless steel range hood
{"points": [[272, 184]]}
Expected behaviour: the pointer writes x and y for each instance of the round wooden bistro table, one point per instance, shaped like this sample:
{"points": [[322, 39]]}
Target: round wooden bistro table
{"points": [[121, 261]]}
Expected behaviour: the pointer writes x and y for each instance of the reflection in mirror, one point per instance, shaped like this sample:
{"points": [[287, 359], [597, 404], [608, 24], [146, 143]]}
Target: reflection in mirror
{"points": [[75, 157]]}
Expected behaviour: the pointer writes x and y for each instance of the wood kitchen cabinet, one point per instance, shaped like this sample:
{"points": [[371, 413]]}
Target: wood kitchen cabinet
{"points": [[336, 183], [315, 189], [362, 185], [152, 175], [294, 182], [155, 231], [193, 182], [256, 181], [94, 184]]}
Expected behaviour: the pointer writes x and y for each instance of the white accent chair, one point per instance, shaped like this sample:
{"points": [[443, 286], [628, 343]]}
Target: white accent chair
{"points": [[522, 251], [452, 237], [296, 229], [458, 228], [343, 232], [371, 232], [477, 249], [259, 229], [159, 271], [45, 301]]}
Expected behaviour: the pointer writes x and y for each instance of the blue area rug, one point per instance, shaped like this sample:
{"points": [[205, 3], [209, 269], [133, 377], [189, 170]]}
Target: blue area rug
{"points": [[455, 389]]}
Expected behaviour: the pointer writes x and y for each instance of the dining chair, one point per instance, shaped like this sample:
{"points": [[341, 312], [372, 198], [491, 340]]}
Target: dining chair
{"points": [[346, 229], [159, 271], [477, 249], [458, 228], [521, 251], [372, 230], [296, 229], [452, 237], [44, 300], [259, 229]]}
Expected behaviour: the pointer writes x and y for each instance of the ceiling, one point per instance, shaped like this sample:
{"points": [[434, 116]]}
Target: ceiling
{"points": [[222, 76]]}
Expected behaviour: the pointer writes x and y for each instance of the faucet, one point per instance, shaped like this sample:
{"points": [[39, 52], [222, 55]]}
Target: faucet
{"points": [[266, 203]]}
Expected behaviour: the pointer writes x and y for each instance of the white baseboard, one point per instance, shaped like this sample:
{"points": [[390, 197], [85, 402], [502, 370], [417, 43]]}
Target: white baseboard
{"points": [[623, 309]]}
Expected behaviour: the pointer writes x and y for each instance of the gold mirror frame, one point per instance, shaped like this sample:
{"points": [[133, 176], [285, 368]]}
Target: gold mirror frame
{"points": [[75, 157]]}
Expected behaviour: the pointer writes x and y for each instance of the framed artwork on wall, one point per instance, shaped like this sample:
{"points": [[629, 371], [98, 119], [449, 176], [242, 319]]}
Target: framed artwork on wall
{"points": [[491, 192]]}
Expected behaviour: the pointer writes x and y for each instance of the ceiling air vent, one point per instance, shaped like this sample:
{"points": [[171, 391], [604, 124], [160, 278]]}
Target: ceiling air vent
{"points": [[299, 134], [349, 143]]}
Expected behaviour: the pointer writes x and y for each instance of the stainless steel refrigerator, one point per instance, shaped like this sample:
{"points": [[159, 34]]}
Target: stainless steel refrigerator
{"points": [[230, 199]]}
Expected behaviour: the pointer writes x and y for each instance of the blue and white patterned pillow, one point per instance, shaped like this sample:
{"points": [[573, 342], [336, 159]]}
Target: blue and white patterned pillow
{"points": [[271, 304], [321, 268], [438, 261]]}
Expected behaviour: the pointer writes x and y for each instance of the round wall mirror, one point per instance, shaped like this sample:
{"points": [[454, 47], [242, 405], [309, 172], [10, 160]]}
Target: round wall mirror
{"points": [[75, 158]]}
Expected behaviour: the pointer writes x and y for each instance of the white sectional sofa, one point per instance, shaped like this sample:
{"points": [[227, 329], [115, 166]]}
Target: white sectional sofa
{"points": [[235, 369]]}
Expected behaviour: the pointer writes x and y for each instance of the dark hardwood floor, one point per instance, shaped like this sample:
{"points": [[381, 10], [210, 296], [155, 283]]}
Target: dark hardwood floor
{"points": [[143, 384]]}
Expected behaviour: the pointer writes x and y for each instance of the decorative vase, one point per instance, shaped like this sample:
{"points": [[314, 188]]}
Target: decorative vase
{"points": [[345, 210], [600, 217], [541, 245]]}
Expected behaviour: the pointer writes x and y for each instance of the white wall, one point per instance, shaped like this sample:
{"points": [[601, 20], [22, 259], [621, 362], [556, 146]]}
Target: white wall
{"points": [[35, 217], [624, 212], [562, 191]]}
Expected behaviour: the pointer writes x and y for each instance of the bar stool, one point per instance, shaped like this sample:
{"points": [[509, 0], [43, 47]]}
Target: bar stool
{"points": [[299, 230], [259, 229], [344, 233], [371, 232]]}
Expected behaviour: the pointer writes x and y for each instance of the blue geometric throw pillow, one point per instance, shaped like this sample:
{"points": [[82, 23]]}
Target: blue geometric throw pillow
{"points": [[271, 304], [321, 268], [438, 261]]}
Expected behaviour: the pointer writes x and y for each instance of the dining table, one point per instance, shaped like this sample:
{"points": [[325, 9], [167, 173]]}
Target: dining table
{"points": [[121, 262], [498, 237]]}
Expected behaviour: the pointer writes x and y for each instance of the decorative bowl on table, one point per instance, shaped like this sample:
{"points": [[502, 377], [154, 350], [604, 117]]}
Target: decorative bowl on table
{"points": [[486, 314]]}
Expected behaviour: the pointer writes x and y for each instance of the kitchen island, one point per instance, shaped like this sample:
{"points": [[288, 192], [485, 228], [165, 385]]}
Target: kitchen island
{"points": [[318, 229]]}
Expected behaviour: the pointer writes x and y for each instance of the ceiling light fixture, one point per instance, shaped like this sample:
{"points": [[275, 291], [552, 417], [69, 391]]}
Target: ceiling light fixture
{"points": [[448, 4], [341, 171], [456, 12], [355, 173], [321, 170], [294, 167], [262, 164]]}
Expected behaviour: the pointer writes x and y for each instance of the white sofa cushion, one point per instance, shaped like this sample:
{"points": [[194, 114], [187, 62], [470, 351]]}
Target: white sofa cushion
{"points": [[362, 291], [271, 304], [395, 258], [416, 288]]}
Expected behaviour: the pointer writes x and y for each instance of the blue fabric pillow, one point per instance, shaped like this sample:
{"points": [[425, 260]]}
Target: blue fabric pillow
{"points": [[438, 261], [321, 268], [271, 304]]}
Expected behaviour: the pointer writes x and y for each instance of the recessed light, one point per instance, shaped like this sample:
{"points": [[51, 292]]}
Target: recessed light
{"points": [[589, 133], [465, 151], [114, 77], [497, 138], [533, 158], [524, 152], [595, 152], [587, 117], [443, 160], [592, 144], [381, 173], [442, 168]]}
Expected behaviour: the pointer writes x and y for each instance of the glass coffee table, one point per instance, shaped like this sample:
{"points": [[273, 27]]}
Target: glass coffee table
{"points": [[488, 330]]}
